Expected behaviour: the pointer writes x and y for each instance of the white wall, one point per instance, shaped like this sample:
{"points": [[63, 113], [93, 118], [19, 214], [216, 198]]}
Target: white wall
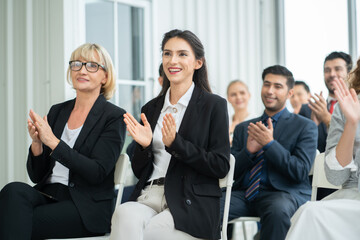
{"points": [[3, 95], [32, 50], [38, 36]]}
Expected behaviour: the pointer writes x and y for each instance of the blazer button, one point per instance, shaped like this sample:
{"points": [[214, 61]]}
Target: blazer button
{"points": [[149, 154], [71, 184], [188, 202]]}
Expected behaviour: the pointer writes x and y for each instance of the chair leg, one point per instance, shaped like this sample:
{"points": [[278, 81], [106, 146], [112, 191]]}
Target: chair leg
{"points": [[244, 230]]}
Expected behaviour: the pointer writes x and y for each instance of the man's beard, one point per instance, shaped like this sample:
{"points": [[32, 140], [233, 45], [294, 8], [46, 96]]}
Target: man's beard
{"points": [[331, 91]]}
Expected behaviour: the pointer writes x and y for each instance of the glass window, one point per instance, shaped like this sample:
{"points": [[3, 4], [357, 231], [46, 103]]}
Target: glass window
{"points": [[119, 27], [100, 25], [131, 42], [132, 98], [313, 29]]}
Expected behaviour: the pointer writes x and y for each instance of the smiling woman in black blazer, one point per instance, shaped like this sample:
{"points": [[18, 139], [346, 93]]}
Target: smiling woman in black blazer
{"points": [[182, 152], [71, 159]]}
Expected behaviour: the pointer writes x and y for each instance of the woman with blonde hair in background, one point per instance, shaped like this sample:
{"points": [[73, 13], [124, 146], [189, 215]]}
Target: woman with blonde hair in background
{"points": [[238, 96]]}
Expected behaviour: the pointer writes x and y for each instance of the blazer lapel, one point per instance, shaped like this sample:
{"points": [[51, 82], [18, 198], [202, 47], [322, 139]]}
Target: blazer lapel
{"points": [[281, 124], [62, 118], [92, 118], [190, 113], [154, 112]]}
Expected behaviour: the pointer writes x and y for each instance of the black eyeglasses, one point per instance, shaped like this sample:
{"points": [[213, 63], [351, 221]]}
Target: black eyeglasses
{"points": [[90, 66]]}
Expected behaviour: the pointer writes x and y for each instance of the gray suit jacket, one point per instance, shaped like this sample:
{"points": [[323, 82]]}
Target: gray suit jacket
{"points": [[344, 177]]}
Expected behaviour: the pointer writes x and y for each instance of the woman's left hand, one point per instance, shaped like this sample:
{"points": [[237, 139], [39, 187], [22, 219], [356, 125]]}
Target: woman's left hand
{"points": [[43, 128], [348, 101], [168, 130]]}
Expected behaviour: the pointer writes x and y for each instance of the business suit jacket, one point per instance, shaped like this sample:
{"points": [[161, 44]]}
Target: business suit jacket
{"points": [[199, 158], [289, 158], [91, 161], [322, 129]]}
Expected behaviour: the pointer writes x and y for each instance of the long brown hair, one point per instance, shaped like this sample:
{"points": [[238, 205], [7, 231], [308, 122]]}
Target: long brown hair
{"points": [[354, 78], [200, 77]]}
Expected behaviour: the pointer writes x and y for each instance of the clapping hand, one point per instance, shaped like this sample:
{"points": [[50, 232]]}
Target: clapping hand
{"points": [[40, 131], [259, 135], [142, 134], [168, 130], [34, 134], [319, 111], [348, 101]]}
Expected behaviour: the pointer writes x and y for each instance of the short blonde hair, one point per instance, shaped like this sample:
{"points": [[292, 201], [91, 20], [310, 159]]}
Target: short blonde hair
{"points": [[236, 81], [87, 52]]}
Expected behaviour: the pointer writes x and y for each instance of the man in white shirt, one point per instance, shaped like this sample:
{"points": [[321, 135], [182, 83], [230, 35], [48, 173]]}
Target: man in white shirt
{"points": [[337, 65]]}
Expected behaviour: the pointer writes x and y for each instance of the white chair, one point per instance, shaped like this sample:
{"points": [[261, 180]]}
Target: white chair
{"points": [[243, 221], [319, 177], [121, 168], [227, 182]]}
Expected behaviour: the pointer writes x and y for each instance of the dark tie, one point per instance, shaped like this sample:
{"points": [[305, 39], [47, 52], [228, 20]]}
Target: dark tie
{"points": [[255, 172], [332, 104], [255, 176]]}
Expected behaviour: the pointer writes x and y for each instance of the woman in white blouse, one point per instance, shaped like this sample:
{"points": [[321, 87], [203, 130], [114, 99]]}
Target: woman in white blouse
{"points": [[337, 216], [182, 151]]}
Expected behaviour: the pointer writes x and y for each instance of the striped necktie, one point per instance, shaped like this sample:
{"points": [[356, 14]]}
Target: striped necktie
{"points": [[255, 176], [255, 173]]}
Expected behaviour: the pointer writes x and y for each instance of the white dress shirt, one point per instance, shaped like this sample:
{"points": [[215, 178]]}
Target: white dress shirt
{"points": [[161, 156], [334, 164], [60, 173]]}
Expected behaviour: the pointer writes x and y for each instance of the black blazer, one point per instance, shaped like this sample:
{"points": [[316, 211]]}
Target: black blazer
{"points": [[322, 129], [199, 158], [91, 161], [289, 158]]}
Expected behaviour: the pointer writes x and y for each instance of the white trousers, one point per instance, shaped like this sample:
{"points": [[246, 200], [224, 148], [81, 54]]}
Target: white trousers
{"points": [[149, 218], [333, 218]]}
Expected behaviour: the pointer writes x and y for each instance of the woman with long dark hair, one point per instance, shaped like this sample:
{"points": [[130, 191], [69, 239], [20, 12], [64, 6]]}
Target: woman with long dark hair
{"points": [[182, 151]]}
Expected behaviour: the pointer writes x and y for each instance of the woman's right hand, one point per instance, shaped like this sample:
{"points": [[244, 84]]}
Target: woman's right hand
{"points": [[36, 145], [34, 134], [348, 101], [141, 134]]}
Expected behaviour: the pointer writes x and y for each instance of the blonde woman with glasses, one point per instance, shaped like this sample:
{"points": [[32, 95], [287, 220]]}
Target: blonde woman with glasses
{"points": [[71, 159]]}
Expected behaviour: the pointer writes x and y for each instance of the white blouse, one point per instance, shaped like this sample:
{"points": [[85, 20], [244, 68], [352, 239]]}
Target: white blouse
{"points": [[161, 156], [60, 173]]}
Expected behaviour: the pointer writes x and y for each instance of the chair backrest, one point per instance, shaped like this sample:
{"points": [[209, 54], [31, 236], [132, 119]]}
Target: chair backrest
{"points": [[121, 167], [319, 177], [227, 182]]}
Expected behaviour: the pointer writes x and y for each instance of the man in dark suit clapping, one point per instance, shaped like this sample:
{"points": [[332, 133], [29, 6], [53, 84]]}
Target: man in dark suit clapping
{"points": [[274, 154]]}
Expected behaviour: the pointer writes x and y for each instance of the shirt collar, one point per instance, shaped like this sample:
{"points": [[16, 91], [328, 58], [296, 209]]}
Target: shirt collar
{"points": [[275, 118], [329, 99], [184, 100]]}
